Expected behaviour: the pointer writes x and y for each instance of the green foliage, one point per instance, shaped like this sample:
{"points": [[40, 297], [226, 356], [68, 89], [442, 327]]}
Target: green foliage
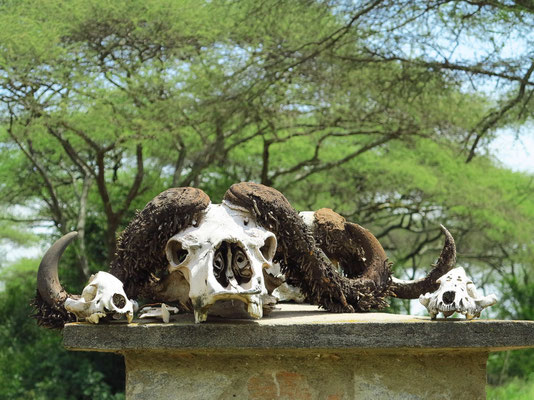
{"points": [[517, 300], [509, 366], [33, 362], [16, 234], [516, 389]]}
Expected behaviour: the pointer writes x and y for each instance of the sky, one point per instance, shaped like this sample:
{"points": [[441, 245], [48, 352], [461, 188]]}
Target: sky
{"points": [[515, 153]]}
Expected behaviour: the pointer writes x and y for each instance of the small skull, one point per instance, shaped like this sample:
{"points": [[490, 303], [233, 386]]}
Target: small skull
{"points": [[222, 258], [456, 293], [104, 295]]}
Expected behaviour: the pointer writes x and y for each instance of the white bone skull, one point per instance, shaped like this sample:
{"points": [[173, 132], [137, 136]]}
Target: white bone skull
{"points": [[456, 293], [285, 292], [222, 257], [103, 295]]}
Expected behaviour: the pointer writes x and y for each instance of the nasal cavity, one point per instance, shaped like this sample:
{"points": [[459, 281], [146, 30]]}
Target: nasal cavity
{"points": [[230, 261], [448, 297]]}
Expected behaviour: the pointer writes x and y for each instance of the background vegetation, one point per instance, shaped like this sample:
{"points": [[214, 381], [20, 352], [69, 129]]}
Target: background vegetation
{"points": [[381, 110]]}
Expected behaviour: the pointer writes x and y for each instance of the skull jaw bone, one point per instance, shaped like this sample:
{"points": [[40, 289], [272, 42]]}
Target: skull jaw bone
{"points": [[221, 305]]}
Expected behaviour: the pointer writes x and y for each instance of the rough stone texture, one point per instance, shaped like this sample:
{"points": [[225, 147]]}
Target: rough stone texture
{"points": [[300, 352], [308, 375], [298, 326]]}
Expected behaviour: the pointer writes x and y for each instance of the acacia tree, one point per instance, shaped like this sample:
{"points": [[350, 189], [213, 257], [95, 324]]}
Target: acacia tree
{"points": [[104, 105]]}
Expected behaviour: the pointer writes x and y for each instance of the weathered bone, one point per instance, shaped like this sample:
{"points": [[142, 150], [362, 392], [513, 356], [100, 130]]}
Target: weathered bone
{"points": [[456, 293], [222, 258], [284, 292], [218, 253], [163, 311], [104, 295]]}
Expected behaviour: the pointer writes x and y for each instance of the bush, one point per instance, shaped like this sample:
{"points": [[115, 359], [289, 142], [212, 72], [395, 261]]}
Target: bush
{"points": [[515, 389], [33, 362]]}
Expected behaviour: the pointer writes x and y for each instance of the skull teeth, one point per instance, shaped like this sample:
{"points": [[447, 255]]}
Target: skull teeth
{"points": [[255, 310], [200, 316]]}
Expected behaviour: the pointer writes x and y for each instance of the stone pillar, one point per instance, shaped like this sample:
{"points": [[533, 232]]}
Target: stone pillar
{"points": [[300, 352]]}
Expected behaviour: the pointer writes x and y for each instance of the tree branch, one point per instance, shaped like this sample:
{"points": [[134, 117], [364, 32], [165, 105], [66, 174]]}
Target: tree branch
{"points": [[491, 119]]}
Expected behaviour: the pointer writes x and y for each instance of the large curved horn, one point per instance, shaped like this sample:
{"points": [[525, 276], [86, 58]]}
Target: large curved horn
{"points": [[140, 255], [355, 248], [300, 258], [50, 295], [412, 289], [48, 284]]}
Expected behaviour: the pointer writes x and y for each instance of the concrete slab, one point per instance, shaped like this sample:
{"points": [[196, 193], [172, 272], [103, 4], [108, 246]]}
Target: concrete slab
{"points": [[296, 326]]}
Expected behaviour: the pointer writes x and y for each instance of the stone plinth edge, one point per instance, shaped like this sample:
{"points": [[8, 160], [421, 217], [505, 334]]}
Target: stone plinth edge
{"points": [[303, 327]]}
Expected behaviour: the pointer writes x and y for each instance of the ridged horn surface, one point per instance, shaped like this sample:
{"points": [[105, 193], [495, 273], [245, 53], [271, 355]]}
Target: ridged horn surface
{"points": [[47, 277], [412, 289]]}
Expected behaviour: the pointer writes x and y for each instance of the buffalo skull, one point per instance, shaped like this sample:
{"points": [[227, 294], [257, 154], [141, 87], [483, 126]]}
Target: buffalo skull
{"points": [[222, 257], [183, 250]]}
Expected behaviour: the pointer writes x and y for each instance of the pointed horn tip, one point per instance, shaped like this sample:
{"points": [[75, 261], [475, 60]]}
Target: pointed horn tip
{"points": [[72, 235], [448, 254], [47, 277], [447, 234], [444, 230]]}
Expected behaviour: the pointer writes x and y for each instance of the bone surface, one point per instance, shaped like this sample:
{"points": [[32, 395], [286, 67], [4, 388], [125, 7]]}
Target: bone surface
{"points": [[222, 258], [456, 293], [285, 292], [183, 250], [163, 312], [104, 295]]}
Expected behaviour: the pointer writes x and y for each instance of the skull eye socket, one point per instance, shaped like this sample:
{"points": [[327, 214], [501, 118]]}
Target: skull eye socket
{"points": [[269, 248], [176, 254], [118, 300], [181, 256]]}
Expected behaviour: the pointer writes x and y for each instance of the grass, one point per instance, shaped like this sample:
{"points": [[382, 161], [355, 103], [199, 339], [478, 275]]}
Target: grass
{"points": [[516, 389]]}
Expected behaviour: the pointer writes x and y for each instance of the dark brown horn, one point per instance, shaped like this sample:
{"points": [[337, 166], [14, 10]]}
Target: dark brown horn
{"points": [[301, 259], [356, 249], [48, 284], [412, 289]]}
